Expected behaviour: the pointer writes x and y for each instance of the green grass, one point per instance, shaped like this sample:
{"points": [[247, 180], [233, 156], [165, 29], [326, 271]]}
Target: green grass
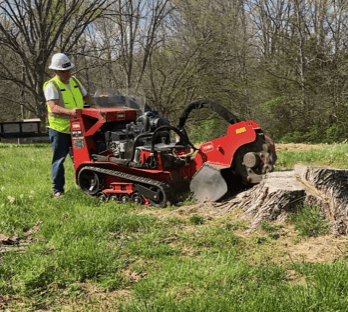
{"points": [[309, 221], [185, 263], [272, 229], [197, 219], [335, 155]]}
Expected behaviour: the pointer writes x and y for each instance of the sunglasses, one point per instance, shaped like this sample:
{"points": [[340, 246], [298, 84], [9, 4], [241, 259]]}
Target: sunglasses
{"points": [[65, 71]]}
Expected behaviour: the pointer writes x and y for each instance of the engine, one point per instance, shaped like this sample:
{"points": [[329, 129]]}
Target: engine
{"points": [[123, 138], [126, 139]]}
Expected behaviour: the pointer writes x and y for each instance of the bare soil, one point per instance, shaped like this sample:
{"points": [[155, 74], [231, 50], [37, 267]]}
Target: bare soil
{"points": [[91, 298], [289, 247]]}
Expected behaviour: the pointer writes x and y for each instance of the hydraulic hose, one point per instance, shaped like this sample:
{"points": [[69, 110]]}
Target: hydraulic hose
{"points": [[216, 107], [183, 137]]}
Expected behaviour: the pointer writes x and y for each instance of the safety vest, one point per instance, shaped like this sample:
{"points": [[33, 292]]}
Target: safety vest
{"points": [[67, 99]]}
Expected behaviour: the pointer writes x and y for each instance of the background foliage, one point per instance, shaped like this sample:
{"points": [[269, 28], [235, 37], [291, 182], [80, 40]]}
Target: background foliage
{"points": [[282, 63]]}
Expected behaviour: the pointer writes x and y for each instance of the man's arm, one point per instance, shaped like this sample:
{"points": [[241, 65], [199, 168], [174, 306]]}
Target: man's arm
{"points": [[56, 109]]}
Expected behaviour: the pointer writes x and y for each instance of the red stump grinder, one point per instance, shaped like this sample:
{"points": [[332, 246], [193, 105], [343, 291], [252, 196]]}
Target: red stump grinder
{"points": [[125, 153]]}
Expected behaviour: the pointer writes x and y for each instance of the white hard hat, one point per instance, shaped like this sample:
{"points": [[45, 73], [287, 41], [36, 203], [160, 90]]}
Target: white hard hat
{"points": [[61, 62]]}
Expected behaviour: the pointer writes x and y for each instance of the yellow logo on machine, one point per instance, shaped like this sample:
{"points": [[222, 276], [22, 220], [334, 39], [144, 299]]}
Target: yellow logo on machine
{"points": [[240, 130], [207, 147]]}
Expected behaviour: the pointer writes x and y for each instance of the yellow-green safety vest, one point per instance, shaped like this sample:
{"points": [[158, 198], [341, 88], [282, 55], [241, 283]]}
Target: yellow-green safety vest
{"points": [[67, 99]]}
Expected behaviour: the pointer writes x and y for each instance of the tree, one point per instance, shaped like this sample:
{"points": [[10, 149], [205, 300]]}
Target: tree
{"points": [[122, 44], [301, 72], [31, 31], [203, 55]]}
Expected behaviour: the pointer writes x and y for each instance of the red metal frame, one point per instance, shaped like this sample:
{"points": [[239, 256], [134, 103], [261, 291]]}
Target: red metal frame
{"points": [[218, 152]]}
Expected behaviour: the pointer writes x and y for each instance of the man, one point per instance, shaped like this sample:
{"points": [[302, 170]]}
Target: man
{"points": [[64, 95]]}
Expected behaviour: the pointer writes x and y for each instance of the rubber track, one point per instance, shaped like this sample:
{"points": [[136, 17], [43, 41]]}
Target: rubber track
{"points": [[164, 187]]}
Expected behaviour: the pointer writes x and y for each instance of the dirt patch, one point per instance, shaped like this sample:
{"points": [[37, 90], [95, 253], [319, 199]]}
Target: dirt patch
{"points": [[326, 248], [87, 297], [16, 243], [102, 293], [298, 146], [207, 210], [288, 247], [95, 299], [295, 278], [132, 276]]}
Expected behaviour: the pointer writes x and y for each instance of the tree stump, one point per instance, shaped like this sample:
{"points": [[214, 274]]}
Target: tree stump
{"points": [[279, 192], [328, 188], [271, 199]]}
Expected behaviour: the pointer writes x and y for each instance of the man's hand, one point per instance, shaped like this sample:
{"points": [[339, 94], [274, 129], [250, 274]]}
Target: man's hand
{"points": [[77, 110]]}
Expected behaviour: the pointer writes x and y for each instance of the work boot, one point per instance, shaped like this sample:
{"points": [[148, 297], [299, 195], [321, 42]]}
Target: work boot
{"points": [[58, 195]]}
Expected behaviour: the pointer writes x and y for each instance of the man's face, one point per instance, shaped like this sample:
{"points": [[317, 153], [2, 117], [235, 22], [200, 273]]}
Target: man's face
{"points": [[64, 75]]}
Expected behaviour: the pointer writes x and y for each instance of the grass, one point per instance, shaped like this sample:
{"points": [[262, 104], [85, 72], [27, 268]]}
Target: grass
{"points": [[335, 155], [309, 221], [272, 229], [79, 254], [197, 219]]}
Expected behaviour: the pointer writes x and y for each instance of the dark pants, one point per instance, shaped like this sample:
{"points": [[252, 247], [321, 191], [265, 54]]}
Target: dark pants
{"points": [[61, 143]]}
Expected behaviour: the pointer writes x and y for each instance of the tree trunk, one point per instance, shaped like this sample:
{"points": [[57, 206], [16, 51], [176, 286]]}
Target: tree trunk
{"points": [[279, 192]]}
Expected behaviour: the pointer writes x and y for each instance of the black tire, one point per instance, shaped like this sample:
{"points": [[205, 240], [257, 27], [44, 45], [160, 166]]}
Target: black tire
{"points": [[90, 182], [161, 201], [102, 197], [114, 197], [124, 198], [137, 198]]}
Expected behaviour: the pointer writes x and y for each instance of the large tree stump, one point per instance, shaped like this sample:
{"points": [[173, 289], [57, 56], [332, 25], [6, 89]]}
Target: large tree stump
{"points": [[279, 192], [328, 188], [270, 200]]}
